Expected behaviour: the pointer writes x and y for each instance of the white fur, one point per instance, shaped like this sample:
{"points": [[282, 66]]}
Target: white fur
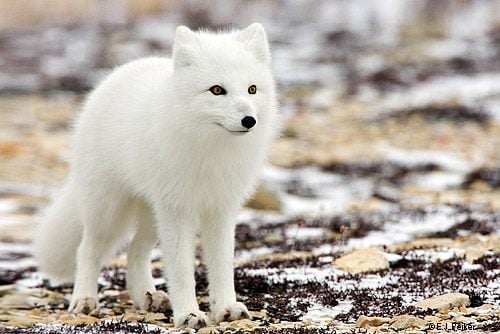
{"points": [[154, 158]]}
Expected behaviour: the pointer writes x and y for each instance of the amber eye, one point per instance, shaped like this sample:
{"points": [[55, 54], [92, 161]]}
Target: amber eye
{"points": [[252, 89], [217, 90]]}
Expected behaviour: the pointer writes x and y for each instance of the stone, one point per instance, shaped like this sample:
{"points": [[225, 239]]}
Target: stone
{"points": [[364, 321], [264, 199], [67, 317], [18, 300], [483, 309], [208, 330], [407, 321], [6, 289], [82, 319], [474, 253], [444, 302], [242, 324], [363, 260]]}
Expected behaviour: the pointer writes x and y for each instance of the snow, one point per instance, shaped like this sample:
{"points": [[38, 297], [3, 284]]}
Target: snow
{"points": [[332, 192], [299, 274], [321, 315], [439, 180], [8, 247], [411, 158], [302, 233], [392, 258], [8, 205], [250, 254], [35, 280], [466, 266], [18, 264], [439, 254], [492, 106], [459, 88], [375, 281]]}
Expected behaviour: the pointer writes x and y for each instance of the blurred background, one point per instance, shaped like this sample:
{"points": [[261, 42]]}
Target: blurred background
{"points": [[383, 102], [391, 110], [412, 84]]}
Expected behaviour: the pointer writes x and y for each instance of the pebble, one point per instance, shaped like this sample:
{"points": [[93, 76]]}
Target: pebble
{"points": [[264, 199], [364, 321], [6, 289], [485, 308], [17, 300], [474, 253], [444, 302], [208, 330], [407, 321], [82, 319], [363, 260]]}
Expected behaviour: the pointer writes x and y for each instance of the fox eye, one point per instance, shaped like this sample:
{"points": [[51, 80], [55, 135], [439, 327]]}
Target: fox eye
{"points": [[217, 90], [252, 89]]}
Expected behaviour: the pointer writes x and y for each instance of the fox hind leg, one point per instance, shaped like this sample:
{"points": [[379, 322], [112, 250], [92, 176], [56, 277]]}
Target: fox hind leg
{"points": [[139, 278], [103, 230]]}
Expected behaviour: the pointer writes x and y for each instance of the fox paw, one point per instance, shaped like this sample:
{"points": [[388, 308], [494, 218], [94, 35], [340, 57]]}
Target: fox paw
{"points": [[157, 301], [83, 305], [195, 319], [232, 312]]}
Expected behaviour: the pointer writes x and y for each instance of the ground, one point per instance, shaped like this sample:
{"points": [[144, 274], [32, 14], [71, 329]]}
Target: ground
{"points": [[379, 210]]}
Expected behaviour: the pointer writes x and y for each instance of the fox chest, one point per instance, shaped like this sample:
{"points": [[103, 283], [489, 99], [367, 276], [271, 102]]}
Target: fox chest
{"points": [[211, 183]]}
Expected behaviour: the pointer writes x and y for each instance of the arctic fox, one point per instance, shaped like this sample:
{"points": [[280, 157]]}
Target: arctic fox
{"points": [[165, 149]]}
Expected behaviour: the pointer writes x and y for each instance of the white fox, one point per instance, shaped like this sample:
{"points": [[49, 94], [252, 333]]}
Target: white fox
{"points": [[165, 149]]}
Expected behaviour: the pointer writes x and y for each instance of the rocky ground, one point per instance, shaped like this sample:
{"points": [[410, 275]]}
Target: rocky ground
{"points": [[380, 210]]}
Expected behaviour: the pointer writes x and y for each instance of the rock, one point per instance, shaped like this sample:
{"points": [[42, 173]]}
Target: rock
{"points": [[257, 315], [18, 300], [483, 309], [474, 253], [208, 330], [152, 316], [242, 324], [50, 299], [432, 318], [6, 289], [18, 321], [81, 319], [444, 302], [363, 260], [238, 324], [462, 319], [364, 321], [407, 321], [67, 317], [264, 199]]}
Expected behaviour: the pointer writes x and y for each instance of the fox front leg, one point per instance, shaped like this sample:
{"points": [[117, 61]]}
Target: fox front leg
{"points": [[218, 255]]}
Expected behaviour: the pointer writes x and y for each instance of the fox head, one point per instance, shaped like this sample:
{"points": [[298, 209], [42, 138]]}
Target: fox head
{"points": [[224, 80]]}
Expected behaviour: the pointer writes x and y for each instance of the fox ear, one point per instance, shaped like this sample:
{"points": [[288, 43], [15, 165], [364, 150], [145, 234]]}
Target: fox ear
{"points": [[255, 40], [184, 44]]}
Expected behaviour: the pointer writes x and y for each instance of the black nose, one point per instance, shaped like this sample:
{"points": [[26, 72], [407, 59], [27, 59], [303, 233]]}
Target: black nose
{"points": [[248, 122]]}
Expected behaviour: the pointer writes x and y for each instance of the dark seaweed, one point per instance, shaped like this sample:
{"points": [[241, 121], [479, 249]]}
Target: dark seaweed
{"points": [[383, 171], [489, 175], [457, 113]]}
